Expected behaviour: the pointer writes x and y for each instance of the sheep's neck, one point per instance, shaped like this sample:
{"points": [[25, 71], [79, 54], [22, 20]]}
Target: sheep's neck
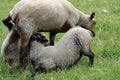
{"points": [[83, 18]]}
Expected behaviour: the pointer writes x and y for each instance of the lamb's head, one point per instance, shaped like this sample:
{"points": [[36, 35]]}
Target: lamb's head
{"points": [[11, 48], [39, 38], [10, 54], [88, 22]]}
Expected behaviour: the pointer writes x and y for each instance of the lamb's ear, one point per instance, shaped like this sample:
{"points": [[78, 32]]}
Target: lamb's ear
{"points": [[92, 15]]}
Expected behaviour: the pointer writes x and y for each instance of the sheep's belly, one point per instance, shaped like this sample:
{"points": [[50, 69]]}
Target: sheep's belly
{"points": [[43, 15]]}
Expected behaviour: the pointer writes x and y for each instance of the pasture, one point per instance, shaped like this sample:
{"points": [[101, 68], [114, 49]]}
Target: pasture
{"points": [[106, 45]]}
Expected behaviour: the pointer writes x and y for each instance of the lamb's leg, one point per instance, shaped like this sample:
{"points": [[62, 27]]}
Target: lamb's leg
{"points": [[90, 54], [36, 69], [52, 37], [33, 75], [33, 68], [91, 58], [7, 22]]}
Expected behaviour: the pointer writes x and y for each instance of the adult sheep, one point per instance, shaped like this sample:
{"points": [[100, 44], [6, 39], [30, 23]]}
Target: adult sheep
{"points": [[30, 16], [69, 49]]}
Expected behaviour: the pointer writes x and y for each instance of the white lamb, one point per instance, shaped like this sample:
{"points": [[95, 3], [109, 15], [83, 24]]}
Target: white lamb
{"points": [[11, 48], [75, 43]]}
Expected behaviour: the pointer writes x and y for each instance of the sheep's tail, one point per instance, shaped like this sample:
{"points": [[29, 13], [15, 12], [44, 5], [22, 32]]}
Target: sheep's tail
{"points": [[7, 22]]}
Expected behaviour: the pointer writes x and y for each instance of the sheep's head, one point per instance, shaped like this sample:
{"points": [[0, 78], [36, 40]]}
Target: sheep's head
{"points": [[90, 23], [39, 38]]}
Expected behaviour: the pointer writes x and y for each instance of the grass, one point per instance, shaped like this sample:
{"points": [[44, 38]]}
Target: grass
{"points": [[106, 45]]}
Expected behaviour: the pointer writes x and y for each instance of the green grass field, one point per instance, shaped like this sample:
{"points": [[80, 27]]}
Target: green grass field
{"points": [[106, 45]]}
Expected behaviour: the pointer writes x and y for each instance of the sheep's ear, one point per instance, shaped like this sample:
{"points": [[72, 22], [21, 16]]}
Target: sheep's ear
{"points": [[92, 15]]}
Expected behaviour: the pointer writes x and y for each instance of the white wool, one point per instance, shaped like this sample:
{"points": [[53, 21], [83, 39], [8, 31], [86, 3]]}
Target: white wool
{"points": [[5, 42], [31, 16], [10, 51], [64, 53]]}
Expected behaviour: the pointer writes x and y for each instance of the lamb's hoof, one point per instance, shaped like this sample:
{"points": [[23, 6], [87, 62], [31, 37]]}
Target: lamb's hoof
{"points": [[32, 76]]}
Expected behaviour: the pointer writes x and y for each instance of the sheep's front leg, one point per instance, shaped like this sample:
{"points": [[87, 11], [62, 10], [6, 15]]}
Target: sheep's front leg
{"points": [[36, 69], [52, 37], [33, 75], [91, 58], [90, 54]]}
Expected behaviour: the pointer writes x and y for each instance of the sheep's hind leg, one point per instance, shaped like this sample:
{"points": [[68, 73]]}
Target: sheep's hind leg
{"points": [[24, 40], [91, 59], [35, 70], [24, 48]]}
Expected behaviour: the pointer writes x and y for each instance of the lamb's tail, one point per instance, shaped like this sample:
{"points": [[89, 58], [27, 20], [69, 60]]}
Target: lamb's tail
{"points": [[7, 22]]}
